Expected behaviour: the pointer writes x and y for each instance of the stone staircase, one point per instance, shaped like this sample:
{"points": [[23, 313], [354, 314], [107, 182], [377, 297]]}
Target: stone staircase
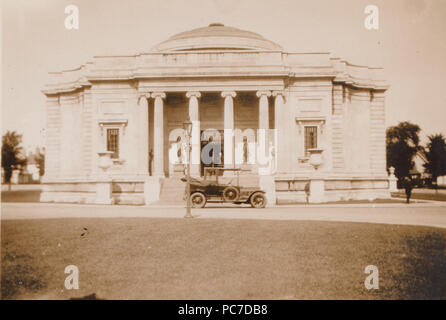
{"points": [[172, 191]]}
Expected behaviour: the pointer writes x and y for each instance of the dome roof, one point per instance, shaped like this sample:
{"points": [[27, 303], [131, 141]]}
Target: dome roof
{"points": [[216, 36]]}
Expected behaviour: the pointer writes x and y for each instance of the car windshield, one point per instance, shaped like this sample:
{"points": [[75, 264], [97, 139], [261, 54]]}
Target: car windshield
{"points": [[211, 175]]}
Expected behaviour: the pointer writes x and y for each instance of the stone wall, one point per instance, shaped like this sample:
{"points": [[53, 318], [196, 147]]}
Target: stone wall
{"points": [[378, 133], [124, 192], [308, 103], [296, 190], [52, 152]]}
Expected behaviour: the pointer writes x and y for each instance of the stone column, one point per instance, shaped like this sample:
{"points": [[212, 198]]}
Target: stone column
{"points": [[278, 106], [158, 120], [263, 109], [262, 136], [196, 136], [143, 149], [229, 128], [280, 130]]}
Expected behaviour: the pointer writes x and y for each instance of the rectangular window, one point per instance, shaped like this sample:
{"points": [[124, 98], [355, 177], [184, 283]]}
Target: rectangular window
{"points": [[310, 139], [113, 142]]}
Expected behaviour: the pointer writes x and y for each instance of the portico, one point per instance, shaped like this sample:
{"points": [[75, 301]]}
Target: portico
{"points": [[216, 116]]}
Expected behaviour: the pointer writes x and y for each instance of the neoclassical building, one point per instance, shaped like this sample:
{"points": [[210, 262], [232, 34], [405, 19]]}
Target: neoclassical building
{"points": [[232, 84]]}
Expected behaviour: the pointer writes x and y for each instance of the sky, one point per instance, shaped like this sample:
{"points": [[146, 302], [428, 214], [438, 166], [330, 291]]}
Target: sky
{"points": [[410, 45]]}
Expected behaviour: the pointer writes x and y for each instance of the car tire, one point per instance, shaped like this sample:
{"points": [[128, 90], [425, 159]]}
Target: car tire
{"points": [[230, 194], [258, 200], [198, 200]]}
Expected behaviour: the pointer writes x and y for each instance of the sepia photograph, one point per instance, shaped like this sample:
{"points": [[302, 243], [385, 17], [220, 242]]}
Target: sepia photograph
{"points": [[223, 150]]}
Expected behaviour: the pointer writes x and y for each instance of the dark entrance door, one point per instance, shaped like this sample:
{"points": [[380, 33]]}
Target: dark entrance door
{"points": [[212, 152]]}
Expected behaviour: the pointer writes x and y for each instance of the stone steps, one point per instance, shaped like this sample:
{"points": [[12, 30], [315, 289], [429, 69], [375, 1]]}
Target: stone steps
{"points": [[172, 191]]}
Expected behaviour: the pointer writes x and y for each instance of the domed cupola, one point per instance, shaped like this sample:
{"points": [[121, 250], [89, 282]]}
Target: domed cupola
{"points": [[216, 36]]}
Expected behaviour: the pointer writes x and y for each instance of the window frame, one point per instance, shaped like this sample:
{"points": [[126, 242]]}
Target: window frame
{"points": [[104, 125], [301, 124], [305, 127], [116, 154]]}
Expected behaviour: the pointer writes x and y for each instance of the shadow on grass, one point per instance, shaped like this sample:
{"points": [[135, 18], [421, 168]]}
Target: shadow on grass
{"points": [[88, 297], [426, 256], [18, 276]]}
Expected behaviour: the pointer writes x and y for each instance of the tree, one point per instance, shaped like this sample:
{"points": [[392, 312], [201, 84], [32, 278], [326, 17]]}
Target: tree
{"points": [[12, 154], [402, 143], [436, 156], [40, 158]]}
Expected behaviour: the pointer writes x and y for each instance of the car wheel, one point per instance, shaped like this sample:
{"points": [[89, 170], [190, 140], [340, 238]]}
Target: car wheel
{"points": [[198, 200], [258, 200], [230, 194]]}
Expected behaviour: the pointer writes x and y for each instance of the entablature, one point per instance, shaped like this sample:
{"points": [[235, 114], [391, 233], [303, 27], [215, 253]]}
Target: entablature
{"points": [[248, 64]]}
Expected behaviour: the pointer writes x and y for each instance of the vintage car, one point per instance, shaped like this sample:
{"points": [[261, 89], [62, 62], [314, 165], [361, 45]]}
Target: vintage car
{"points": [[210, 189]]}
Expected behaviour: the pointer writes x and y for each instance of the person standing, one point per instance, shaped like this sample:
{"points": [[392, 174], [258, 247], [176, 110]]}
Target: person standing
{"points": [[408, 186]]}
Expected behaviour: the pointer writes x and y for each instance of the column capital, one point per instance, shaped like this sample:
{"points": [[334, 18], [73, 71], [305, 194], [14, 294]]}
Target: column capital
{"points": [[225, 94], [143, 95], [263, 93], [158, 94], [196, 94], [276, 93]]}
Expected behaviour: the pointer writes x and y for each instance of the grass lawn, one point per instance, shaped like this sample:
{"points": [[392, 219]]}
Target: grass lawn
{"points": [[377, 201], [136, 258], [374, 201]]}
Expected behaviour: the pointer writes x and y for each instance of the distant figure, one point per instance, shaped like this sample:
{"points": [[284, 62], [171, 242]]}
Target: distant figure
{"points": [[175, 151], [211, 153], [179, 150], [408, 186], [245, 150], [307, 192], [272, 158]]}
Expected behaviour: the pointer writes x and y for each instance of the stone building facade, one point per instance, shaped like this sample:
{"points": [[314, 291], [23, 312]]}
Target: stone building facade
{"points": [[230, 83]]}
